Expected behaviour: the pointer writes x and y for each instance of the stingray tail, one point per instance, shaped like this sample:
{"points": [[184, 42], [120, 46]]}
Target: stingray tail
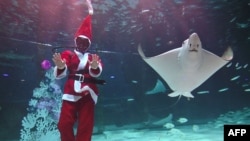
{"points": [[179, 97]]}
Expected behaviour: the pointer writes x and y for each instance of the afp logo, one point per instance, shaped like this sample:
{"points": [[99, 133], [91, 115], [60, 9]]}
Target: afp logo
{"points": [[236, 132]]}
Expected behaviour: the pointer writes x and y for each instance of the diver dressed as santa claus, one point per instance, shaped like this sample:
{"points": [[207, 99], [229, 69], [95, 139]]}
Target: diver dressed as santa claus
{"points": [[80, 90]]}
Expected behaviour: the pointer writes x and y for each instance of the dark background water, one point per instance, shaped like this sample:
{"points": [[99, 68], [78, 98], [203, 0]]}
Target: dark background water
{"points": [[29, 29]]}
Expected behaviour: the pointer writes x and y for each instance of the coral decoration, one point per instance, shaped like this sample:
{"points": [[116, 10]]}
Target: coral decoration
{"points": [[44, 107]]}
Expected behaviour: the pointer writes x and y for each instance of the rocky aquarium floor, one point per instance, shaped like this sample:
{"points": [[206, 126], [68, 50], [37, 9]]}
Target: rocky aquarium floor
{"points": [[187, 133]]}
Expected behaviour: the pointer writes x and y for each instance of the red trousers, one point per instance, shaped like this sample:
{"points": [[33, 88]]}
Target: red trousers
{"points": [[81, 111]]}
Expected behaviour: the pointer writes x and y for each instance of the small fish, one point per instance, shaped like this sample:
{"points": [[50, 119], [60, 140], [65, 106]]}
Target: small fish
{"points": [[235, 78], [245, 85], [245, 66], [247, 90], [169, 125], [242, 25], [237, 64], [158, 44], [134, 81], [182, 120], [203, 92], [229, 65], [233, 19], [238, 67], [223, 90], [5, 74], [145, 11], [130, 99]]}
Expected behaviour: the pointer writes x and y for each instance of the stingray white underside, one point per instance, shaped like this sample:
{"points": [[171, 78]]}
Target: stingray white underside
{"points": [[181, 80]]}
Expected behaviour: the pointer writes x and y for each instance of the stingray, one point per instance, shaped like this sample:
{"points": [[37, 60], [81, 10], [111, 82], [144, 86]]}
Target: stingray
{"points": [[187, 67]]}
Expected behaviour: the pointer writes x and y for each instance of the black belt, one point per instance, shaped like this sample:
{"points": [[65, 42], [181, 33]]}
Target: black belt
{"points": [[81, 78]]}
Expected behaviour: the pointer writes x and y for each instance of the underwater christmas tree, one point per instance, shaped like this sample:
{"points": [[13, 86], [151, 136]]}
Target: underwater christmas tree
{"points": [[40, 124]]}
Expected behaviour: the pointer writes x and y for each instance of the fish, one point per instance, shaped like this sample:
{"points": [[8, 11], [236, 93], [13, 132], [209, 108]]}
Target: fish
{"points": [[163, 121], [247, 90], [238, 67], [182, 120], [223, 89], [145, 11], [237, 64], [203, 92], [130, 99], [169, 125], [242, 25], [134, 81], [159, 88], [229, 65], [245, 85], [245, 66], [235, 78], [185, 68], [233, 19]]}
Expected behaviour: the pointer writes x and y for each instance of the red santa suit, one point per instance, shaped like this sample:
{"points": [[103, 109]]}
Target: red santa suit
{"points": [[80, 91]]}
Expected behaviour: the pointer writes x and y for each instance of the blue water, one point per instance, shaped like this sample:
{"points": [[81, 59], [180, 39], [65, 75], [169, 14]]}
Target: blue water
{"points": [[129, 104]]}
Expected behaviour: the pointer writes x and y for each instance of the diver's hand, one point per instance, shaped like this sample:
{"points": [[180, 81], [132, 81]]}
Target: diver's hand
{"points": [[59, 62], [94, 63]]}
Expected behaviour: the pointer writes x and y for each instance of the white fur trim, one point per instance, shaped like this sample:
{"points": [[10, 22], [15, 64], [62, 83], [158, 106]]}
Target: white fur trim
{"points": [[78, 89], [70, 97], [77, 84], [62, 75], [83, 37], [96, 75], [83, 59], [90, 7]]}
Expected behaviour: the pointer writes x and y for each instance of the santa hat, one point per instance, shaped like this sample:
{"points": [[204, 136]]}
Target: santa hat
{"points": [[85, 30]]}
